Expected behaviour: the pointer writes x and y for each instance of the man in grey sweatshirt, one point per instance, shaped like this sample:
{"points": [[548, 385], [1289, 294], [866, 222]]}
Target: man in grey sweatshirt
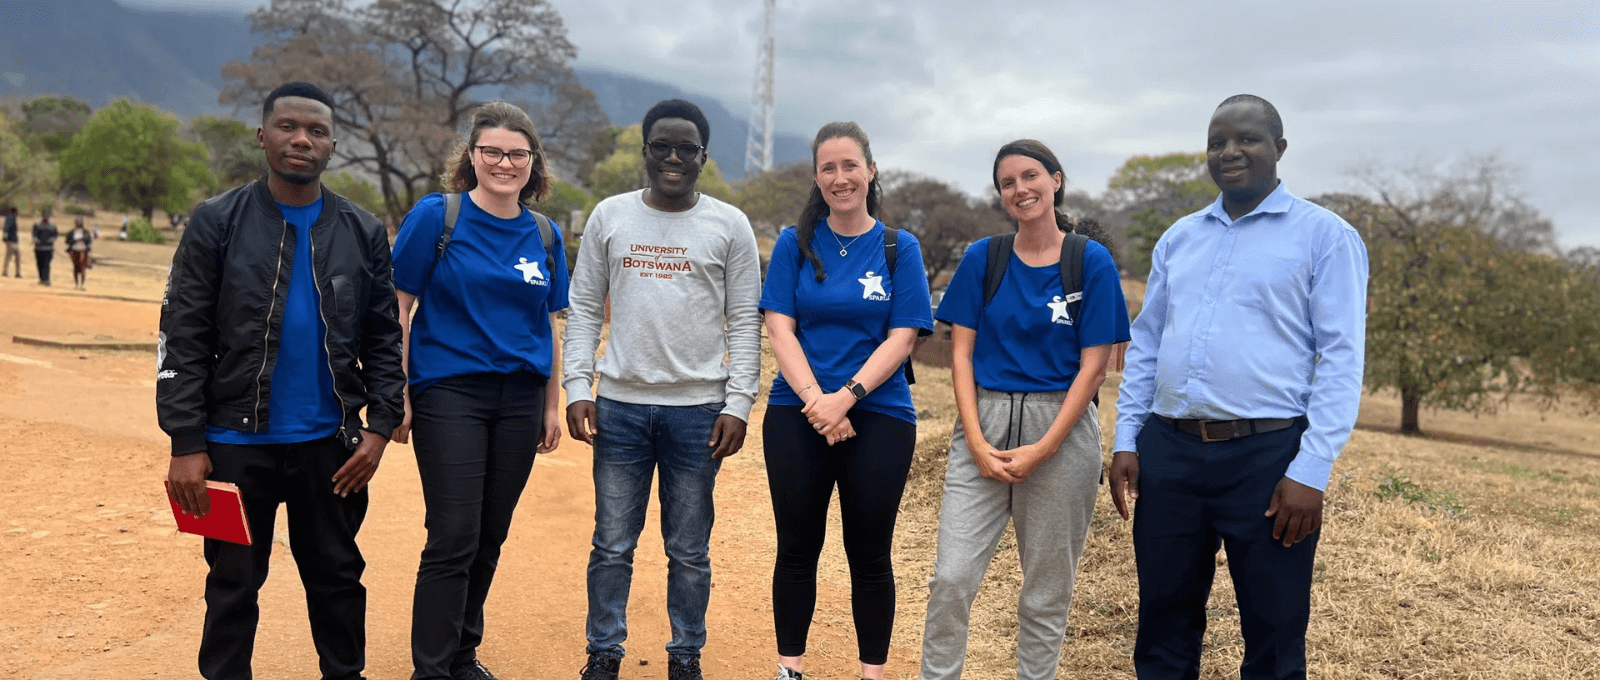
{"points": [[683, 279]]}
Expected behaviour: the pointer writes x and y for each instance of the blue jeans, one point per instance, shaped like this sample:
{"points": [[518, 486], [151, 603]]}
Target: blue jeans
{"points": [[634, 441]]}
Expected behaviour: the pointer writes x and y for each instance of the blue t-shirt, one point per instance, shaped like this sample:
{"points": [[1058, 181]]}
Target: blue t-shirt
{"points": [[487, 308], [841, 321], [303, 406], [1027, 340]]}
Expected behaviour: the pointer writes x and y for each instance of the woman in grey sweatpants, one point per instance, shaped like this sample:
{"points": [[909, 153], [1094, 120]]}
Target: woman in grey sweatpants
{"points": [[1027, 364]]}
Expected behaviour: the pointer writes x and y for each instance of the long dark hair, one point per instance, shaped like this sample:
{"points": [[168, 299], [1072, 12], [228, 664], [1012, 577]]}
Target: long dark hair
{"points": [[1036, 150], [459, 177], [817, 207]]}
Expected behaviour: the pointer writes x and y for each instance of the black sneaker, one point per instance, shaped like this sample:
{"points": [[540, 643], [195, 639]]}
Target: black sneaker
{"points": [[684, 668], [600, 668], [472, 671]]}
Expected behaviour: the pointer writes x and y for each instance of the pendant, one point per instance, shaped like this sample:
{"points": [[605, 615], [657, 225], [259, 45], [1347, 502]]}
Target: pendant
{"points": [[843, 252]]}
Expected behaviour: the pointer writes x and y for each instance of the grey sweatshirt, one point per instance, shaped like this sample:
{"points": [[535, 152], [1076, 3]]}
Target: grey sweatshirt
{"points": [[684, 288]]}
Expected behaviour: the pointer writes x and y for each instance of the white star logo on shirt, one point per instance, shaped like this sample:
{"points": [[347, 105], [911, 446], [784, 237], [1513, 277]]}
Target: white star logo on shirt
{"points": [[530, 270], [1058, 311], [871, 285]]}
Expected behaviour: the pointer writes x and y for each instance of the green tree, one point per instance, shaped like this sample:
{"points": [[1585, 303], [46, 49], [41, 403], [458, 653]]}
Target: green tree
{"points": [[564, 198], [130, 156], [623, 171], [361, 191], [50, 121], [774, 199], [236, 158], [23, 171], [1458, 320], [1153, 192]]}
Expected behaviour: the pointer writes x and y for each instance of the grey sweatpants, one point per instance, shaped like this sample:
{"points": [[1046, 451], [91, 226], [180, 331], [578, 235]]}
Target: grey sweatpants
{"points": [[1051, 510]]}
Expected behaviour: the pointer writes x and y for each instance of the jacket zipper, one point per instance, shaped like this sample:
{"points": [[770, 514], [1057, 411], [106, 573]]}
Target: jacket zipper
{"points": [[266, 332], [326, 349]]}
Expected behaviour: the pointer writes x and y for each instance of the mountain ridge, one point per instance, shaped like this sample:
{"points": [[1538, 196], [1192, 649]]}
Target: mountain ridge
{"points": [[101, 50]]}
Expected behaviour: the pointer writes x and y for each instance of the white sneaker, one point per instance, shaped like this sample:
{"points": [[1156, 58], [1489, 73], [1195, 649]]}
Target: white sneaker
{"points": [[787, 673]]}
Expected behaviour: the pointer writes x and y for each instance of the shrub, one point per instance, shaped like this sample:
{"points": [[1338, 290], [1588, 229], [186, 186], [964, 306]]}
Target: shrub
{"points": [[76, 209], [140, 229]]}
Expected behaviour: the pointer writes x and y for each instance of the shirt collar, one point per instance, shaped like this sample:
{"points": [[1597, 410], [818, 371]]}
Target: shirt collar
{"points": [[1278, 201]]}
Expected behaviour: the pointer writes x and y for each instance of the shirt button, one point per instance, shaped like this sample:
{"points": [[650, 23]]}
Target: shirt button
{"points": [[1210, 301]]}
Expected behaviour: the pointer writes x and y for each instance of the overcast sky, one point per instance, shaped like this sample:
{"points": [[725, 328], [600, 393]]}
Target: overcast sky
{"points": [[941, 84]]}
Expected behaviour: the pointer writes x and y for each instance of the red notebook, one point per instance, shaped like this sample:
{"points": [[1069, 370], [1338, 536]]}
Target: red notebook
{"points": [[226, 520]]}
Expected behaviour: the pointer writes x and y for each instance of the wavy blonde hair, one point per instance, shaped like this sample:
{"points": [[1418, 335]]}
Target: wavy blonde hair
{"points": [[459, 177]]}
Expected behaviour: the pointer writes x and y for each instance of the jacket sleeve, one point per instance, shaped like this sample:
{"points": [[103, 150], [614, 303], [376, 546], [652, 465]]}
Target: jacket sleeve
{"points": [[381, 370], [187, 344]]}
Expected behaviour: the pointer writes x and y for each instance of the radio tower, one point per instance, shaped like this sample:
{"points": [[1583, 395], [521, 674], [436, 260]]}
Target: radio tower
{"points": [[763, 106]]}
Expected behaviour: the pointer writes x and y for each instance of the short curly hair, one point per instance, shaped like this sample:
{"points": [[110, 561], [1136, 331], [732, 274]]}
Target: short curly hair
{"points": [[678, 108], [459, 176]]}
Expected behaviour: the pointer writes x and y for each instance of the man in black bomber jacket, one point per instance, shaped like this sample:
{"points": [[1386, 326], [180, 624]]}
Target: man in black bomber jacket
{"points": [[278, 326]]}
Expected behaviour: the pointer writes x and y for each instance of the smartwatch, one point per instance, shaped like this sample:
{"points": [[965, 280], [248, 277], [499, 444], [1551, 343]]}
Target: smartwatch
{"points": [[856, 389]]}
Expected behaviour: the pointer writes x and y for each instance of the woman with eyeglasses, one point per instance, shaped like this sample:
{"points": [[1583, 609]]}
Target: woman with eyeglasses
{"points": [[1027, 360], [487, 276], [843, 313]]}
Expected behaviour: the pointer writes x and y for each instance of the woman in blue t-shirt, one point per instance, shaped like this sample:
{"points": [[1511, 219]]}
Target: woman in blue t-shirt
{"points": [[481, 363], [1026, 367], [842, 319]]}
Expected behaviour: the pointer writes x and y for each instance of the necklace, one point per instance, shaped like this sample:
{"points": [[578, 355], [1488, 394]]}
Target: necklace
{"points": [[844, 247]]}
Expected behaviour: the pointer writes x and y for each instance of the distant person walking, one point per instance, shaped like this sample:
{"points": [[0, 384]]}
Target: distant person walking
{"points": [[1242, 385], [79, 241], [843, 318], [1028, 357], [123, 235], [279, 333], [485, 391], [44, 245], [13, 252]]}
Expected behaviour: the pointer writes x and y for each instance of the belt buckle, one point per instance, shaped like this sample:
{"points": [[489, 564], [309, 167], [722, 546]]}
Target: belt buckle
{"points": [[1205, 433]]}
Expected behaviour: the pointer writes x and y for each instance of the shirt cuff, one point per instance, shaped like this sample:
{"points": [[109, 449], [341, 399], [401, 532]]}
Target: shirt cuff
{"points": [[1126, 439], [1310, 470], [578, 390], [738, 406]]}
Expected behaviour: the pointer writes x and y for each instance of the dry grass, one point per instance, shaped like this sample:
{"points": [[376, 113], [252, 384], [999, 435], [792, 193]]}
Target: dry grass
{"points": [[1439, 560]]}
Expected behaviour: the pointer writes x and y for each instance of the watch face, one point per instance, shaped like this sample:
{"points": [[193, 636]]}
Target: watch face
{"points": [[858, 390]]}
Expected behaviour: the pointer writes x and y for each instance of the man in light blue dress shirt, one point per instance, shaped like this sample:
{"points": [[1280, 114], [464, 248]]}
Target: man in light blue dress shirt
{"points": [[1241, 387]]}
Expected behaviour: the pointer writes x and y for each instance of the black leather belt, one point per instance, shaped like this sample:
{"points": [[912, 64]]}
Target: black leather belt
{"points": [[1224, 430]]}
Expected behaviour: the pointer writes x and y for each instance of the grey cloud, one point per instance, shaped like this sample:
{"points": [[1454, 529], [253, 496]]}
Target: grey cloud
{"points": [[941, 83]]}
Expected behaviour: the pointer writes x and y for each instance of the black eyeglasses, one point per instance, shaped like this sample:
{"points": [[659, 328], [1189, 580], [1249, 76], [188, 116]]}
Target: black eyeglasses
{"points": [[492, 155], [686, 151]]}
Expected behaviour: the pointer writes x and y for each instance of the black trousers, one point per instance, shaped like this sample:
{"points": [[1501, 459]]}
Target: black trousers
{"points": [[870, 470], [42, 257], [476, 436], [322, 537], [1193, 498]]}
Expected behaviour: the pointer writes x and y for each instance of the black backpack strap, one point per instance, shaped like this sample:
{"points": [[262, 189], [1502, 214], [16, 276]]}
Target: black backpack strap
{"points": [[999, 257], [891, 259], [1072, 248], [452, 211], [891, 247], [547, 236]]}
